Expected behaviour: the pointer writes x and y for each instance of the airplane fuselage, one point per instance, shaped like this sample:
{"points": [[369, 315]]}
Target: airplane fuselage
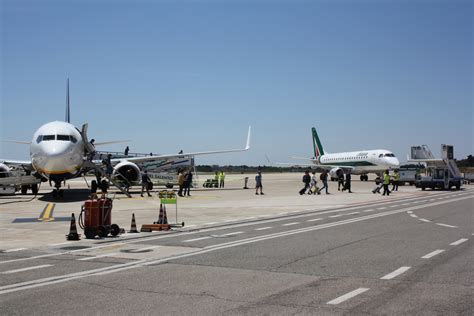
{"points": [[362, 162], [57, 151]]}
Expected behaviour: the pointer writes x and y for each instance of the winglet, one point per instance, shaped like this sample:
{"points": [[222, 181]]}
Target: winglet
{"points": [[68, 115], [247, 146]]}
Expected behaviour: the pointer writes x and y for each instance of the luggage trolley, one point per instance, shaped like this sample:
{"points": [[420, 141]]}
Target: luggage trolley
{"points": [[96, 217]]}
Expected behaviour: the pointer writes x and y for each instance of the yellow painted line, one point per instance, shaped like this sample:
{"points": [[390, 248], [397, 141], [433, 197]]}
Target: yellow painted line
{"points": [[47, 213]]}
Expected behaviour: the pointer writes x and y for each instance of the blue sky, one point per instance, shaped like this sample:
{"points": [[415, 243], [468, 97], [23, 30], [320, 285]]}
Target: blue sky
{"points": [[193, 75]]}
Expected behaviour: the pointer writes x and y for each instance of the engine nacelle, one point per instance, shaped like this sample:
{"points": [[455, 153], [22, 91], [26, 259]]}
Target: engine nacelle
{"points": [[128, 171], [333, 173], [4, 171]]}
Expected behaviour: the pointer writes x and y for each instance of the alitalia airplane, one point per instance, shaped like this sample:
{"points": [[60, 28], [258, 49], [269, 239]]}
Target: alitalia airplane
{"points": [[59, 152], [357, 162]]}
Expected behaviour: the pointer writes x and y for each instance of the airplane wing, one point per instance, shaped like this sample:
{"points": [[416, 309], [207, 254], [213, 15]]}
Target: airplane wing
{"points": [[188, 154]]}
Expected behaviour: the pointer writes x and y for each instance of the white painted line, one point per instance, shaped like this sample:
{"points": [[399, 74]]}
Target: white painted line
{"points": [[432, 254], [14, 250], [396, 205], [230, 220], [196, 239], [145, 249], [395, 273], [61, 244], [410, 212], [211, 223], [446, 225], [425, 220], [289, 224], [413, 215], [337, 215], [234, 233], [371, 210], [458, 242], [27, 269], [405, 204], [353, 213], [314, 219], [95, 257], [187, 226], [347, 296], [381, 208], [263, 228]]}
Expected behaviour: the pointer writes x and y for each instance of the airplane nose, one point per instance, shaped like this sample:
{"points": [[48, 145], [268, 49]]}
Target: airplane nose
{"points": [[395, 163], [55, 158]]}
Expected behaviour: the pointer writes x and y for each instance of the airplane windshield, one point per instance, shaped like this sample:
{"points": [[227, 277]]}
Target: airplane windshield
{"points": [[49, 137], [73, 139], [63, 137], [389, 155], [39, 139]]}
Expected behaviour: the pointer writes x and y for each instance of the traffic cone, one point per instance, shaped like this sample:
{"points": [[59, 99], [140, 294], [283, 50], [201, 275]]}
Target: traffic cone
{"points": [[160, 216], [133, 227], [73, 235], [165, 218]]}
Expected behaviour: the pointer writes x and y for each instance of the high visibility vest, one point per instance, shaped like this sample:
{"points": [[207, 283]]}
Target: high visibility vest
{"points": [[396, 176], [222, 175], [386, 179], [216, 177]]}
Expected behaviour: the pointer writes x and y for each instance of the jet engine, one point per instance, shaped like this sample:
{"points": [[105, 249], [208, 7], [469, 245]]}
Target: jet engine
{"points": [[4, 171], [333, 173], [126, 171]]}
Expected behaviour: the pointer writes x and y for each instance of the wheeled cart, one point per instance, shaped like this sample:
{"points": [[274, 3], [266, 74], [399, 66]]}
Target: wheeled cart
{"points": [[96, 217]]}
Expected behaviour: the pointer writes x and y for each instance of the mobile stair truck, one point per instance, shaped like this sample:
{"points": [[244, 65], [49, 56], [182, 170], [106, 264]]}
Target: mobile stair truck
{"points": [[442, 173]]}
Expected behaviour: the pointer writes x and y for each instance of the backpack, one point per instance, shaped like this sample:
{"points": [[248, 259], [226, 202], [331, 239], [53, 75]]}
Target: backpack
{"points": [[321, 177]]}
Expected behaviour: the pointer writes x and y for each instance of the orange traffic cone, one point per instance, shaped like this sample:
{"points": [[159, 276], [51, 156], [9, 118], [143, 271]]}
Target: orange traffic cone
{"points": [[164, 220], [73, 235], [133, 227], [160, 216]]}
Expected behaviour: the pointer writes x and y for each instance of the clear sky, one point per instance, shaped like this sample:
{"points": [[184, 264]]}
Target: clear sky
{"points": [[193, 75]]}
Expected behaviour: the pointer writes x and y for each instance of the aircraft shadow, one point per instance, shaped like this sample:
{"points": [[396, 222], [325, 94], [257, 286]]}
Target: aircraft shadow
{"points": [[70, 195]]}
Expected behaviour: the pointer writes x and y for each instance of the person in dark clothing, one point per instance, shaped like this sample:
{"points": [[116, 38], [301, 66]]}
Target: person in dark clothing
{"points": [[126, 151], [188, 181], [258, 183], [146, 183], [306, 181], [324, 178], [340, 179], [347, 185]]}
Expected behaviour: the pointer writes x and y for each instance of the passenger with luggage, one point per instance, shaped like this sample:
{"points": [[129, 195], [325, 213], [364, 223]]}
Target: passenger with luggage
{"points": [[188, 182], [347, 185], [306, 181], [313, 188], [146, 183], [340, 179], [181, 182], [324, 178]]}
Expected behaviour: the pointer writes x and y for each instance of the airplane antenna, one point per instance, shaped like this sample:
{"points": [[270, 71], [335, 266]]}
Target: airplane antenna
{"points": [[68, 118]]}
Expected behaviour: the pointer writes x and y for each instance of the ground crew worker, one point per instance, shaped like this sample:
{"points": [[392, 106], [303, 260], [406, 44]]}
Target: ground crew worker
{"points": [[216, 179], [221, 179], [188, 182], [181, 180], [145, 183], [396, 180], [386, 182]]}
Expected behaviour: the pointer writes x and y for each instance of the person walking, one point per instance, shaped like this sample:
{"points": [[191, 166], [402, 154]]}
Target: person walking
{"points": [[188, 182], [306, 181], [324, 178], [386, 182], [396, 180], [221, 179], [181, 182], [125, 152], [347, 185], [216, 179], [145, 183], [313, 188], [340, 179], [258, 183]]}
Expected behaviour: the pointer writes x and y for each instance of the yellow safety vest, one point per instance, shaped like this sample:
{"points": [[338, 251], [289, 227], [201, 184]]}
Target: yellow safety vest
{"points": [[386, 179]]}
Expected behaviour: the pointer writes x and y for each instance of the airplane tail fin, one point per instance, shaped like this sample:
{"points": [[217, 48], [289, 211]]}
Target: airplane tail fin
{"points": [[318, 148], [68, 115]]}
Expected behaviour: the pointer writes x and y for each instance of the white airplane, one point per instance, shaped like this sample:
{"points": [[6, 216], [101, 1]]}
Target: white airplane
{"points": [[357, 162], [59, 152]]}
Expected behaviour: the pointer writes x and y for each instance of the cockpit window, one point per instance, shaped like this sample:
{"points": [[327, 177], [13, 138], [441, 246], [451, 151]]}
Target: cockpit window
{"points": [[73, 139], [39, 139], [389, 155], [63, 137], [49, 137], [381, 155]]}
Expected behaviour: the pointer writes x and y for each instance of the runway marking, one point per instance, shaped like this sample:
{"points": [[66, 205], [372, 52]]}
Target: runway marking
{"points": [[396, 205], [21, 286], [27, 269], [187, 226], [211, 223], [395, 273], [14, 250], [314, 219], [432, 254], [410, 212], [47, 214], [233, 234], [371, 210], [458, 242], [61, 243], [96, 257], [414, 215], [230, 220], [289, 224], [425, 220], [263, 228], [145, 249], [446, 225], [353, 213], [196, 239], [347, 296], [337, 215], [381, 208], [405, 204]]}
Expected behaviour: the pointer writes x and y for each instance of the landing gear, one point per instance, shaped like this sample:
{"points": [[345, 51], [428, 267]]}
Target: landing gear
{"points": [[34, 189], [24, 189]]}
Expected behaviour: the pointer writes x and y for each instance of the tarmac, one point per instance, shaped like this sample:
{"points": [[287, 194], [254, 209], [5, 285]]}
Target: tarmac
{"points": [[30, 222]]}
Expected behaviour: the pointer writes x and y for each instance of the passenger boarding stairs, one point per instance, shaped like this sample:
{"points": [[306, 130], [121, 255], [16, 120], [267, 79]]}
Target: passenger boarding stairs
{"points": [[453, 168], [101, 171]]}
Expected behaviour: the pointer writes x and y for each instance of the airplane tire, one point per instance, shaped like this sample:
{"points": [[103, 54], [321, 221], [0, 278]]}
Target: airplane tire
{"points": [[34, 189], [102, 231], [114, 230], [90, 232], [24, 189]]}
